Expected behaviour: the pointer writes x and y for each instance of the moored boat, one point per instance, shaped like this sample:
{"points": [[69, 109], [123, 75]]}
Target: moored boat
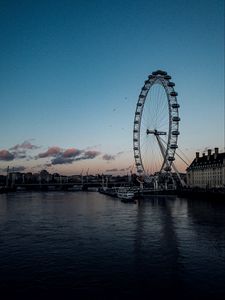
{"points": [[125, 193]]}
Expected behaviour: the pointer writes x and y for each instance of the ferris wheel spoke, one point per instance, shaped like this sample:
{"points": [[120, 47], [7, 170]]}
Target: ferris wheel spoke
{"points": [[145, 122], [164, 109], [151, 150], [159, 99], [163, 122]]}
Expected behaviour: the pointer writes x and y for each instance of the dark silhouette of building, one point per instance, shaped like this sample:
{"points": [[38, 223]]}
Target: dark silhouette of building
{"points": [[207, 171]]}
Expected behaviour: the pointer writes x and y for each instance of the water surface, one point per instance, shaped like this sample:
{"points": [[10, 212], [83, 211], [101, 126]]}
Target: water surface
{"points": [[97, 247]]}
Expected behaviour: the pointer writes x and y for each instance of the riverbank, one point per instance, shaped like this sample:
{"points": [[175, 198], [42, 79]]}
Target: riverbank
{"points": [[183, 193]]}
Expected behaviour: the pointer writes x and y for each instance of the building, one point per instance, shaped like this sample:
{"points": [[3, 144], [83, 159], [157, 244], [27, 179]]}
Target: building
{"points": [[207, 171]]}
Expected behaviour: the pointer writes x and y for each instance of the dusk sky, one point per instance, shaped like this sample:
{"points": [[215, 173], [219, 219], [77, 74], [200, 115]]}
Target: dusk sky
{"points": [[71, 73]]}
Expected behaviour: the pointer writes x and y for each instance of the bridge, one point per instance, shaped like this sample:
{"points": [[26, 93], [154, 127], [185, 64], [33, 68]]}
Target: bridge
{"points": [[65, 186]]}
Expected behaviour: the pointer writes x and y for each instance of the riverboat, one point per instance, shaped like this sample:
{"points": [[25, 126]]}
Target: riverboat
{"points": [[125, 193]]}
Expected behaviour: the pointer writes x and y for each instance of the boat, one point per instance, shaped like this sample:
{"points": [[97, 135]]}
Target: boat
{"points": [[75, 188], [125, 194]]}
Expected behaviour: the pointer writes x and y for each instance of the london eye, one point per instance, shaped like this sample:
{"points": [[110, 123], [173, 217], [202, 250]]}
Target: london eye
{"points": [[156, 126]]}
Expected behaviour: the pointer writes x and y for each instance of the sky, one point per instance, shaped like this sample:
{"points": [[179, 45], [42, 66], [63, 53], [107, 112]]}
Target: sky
{"points": [[71, 73]]}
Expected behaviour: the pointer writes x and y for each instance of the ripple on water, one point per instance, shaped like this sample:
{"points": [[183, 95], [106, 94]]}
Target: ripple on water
{"points": [[95, 245]]}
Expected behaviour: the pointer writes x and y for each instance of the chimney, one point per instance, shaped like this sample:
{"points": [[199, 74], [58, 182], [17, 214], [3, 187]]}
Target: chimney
{"points": [[209, 153], [216, 153], [197, 156]]}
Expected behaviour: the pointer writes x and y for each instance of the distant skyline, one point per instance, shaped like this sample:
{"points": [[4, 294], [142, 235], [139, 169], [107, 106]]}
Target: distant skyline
{"points": [[71, 73]]}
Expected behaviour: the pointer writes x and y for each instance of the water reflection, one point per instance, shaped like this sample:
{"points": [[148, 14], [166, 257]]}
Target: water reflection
{"points": [[156, 246], [84, 241]]}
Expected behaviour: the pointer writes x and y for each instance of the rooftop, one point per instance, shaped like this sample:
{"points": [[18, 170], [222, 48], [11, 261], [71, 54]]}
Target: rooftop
{"points": [[208, 159]]}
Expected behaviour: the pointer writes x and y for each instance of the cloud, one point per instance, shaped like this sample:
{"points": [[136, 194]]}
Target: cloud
{"points": [[25, 145], [6, 155], [51, 152], [108, 157], [90, 154], [19, 151], [112, 170], [60, 160], [120, 153], [61, 156], [19, 154], [72, 152]]}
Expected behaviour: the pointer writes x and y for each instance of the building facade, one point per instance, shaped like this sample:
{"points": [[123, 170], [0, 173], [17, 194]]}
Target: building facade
{"points": [[207, 171]]}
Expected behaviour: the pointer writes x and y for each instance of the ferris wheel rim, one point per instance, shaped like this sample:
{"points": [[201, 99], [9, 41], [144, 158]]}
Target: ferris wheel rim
{"points": [[162, 78]]}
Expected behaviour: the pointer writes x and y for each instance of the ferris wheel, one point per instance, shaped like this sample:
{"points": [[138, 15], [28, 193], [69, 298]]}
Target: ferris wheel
{"points": [[156, 126]]}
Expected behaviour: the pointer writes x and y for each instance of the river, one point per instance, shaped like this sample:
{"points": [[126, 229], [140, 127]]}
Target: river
{"points": [[96, 247]]}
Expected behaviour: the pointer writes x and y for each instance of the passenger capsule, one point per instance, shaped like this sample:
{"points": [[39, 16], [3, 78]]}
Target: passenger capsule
{"points": [[175, 132], [159, 72], [147, 81], [135, 148], [136, 156], [175, 105], [137, 113], [139, 104], [135, 140], [171, 158], [168, 77], [174, 94], [135, 130], [151, 77], [136, 122], [173, 146], [176, 119], [171, 84], [141, 96]]}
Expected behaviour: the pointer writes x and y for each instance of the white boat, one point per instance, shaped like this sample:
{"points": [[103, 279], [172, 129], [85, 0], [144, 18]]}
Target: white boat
{"points": [[75, 188], [125, 193]]}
